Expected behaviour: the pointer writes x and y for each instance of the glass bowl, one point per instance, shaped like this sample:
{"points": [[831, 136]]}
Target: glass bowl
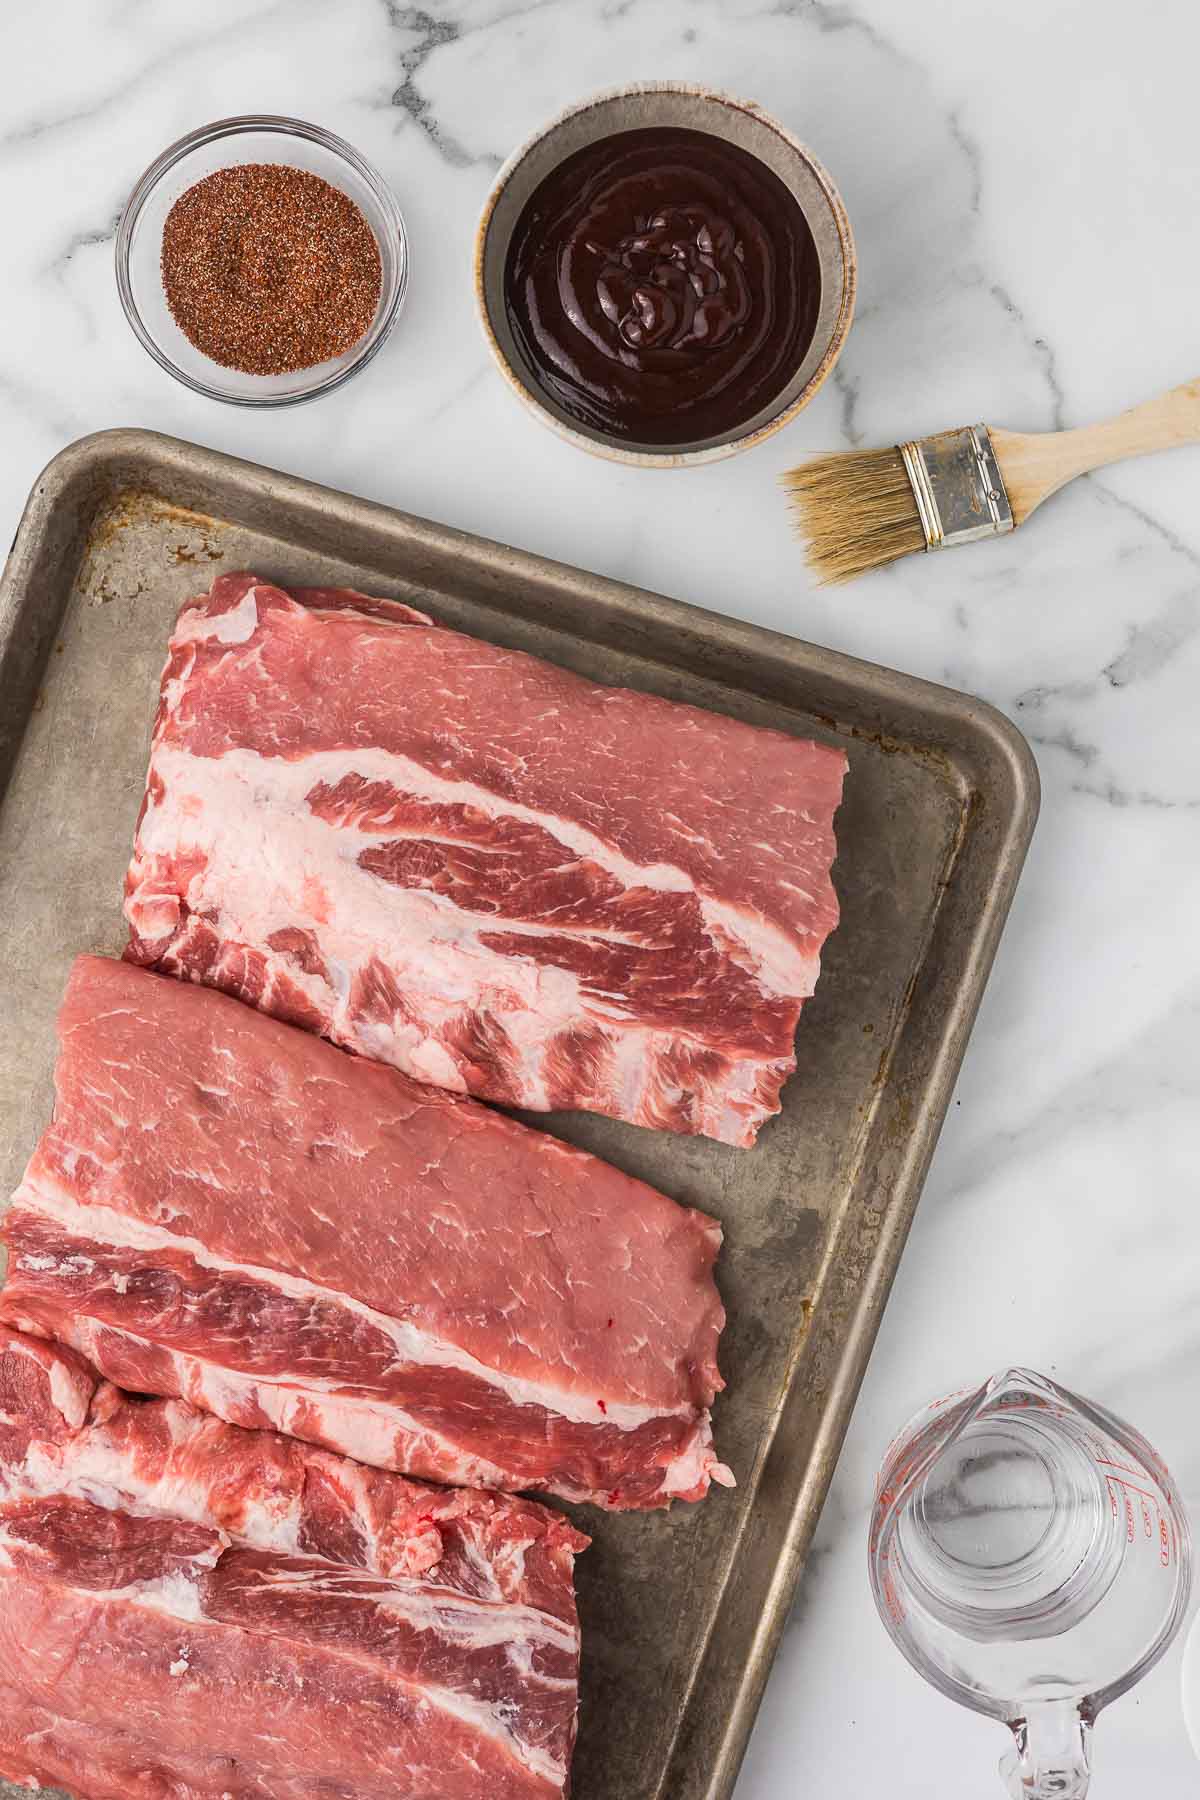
{"points": [[261, 139]]}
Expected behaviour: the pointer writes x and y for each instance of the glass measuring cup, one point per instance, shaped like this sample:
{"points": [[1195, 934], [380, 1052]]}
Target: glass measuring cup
{"points": [[1030, 1558]]}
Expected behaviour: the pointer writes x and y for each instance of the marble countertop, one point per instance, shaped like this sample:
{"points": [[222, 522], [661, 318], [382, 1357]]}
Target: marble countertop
{"points": [[1022, 187]]}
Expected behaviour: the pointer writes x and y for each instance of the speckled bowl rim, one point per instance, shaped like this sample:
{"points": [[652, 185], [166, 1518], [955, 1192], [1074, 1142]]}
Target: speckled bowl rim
{"points": [[617, 450]]}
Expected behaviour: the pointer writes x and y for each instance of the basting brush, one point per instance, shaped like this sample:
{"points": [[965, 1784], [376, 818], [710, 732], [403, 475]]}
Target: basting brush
{"points": [[865, 508]]}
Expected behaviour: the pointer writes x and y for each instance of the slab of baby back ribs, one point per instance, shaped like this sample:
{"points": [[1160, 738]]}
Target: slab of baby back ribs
{"points": [[230, 1210], [188, 1608], [479, 867]]}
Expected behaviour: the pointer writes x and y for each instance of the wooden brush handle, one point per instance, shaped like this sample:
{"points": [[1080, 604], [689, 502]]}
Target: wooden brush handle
{"points": [[1036, 466]]}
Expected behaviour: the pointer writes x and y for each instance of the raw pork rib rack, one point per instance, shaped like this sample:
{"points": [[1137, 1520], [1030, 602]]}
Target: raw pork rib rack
{"points": [[481, 868], [233, 1211], [190, 1608]]}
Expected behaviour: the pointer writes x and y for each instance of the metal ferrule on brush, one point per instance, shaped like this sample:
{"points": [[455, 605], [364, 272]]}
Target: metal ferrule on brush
{"points": [[958, 487]]}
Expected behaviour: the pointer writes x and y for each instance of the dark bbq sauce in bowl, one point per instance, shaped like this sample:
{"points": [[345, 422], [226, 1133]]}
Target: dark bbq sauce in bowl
{"points": [[662, 286]]}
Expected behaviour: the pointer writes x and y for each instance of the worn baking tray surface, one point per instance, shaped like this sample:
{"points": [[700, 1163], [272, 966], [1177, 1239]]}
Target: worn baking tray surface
{"points": [[681, 1611]]}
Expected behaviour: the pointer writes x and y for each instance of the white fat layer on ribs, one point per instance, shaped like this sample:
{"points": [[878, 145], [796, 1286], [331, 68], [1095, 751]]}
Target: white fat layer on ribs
{"points": [[107, 1476], [177, 1596], [463, 1621], [110, 1475], [233, 627], [70, 1390], [433, 951], [519, 1629], [197, 625], [105, 1227], [239, 786], [685, 1474], [372, 1432], [688, 1470]]}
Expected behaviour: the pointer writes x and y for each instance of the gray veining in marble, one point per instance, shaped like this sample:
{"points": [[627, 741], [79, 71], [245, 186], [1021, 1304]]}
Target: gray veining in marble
{"points": [[1022, 187]]}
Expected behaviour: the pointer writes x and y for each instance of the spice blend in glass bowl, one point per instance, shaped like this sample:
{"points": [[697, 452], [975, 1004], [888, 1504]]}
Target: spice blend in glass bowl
{"points": [[268, 269]]}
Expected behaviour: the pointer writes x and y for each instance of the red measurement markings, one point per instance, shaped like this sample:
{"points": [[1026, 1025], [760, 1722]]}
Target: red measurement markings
{"points": [[1148, 1518], [891, 1598], [1123, 1481], [1110, 1462]]}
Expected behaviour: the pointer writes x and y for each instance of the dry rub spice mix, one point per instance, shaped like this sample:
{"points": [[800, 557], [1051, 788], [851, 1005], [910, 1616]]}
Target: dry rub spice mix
{"points": [[269, 269]]}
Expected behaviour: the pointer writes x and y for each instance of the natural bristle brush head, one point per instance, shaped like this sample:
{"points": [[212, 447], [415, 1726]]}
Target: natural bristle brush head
{"points": [[856, 511], [866, 508]]}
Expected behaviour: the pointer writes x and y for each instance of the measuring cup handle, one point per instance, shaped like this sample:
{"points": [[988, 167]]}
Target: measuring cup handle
{"points": [[1051, 1758]]}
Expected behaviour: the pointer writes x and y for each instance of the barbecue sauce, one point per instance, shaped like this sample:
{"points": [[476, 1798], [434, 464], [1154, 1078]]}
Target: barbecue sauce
{"points": [[662, 286]]}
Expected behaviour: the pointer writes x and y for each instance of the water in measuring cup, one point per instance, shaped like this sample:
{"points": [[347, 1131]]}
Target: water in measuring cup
{"points": [[1030, 1558]]}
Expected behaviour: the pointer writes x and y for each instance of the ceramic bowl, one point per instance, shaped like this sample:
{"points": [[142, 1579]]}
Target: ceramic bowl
{"points": [[657, 104]]}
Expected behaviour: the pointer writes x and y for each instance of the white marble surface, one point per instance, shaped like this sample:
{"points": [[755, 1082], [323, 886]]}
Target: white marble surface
{"points": [[1022, 183]]}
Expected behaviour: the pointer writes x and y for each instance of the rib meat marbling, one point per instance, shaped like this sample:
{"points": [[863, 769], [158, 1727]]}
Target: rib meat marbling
{"points": [[191, 1609], [233, 1211], [481, 868]]}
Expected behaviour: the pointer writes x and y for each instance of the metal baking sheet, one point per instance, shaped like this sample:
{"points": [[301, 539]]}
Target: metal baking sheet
{"points": [[681, 1611]]}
